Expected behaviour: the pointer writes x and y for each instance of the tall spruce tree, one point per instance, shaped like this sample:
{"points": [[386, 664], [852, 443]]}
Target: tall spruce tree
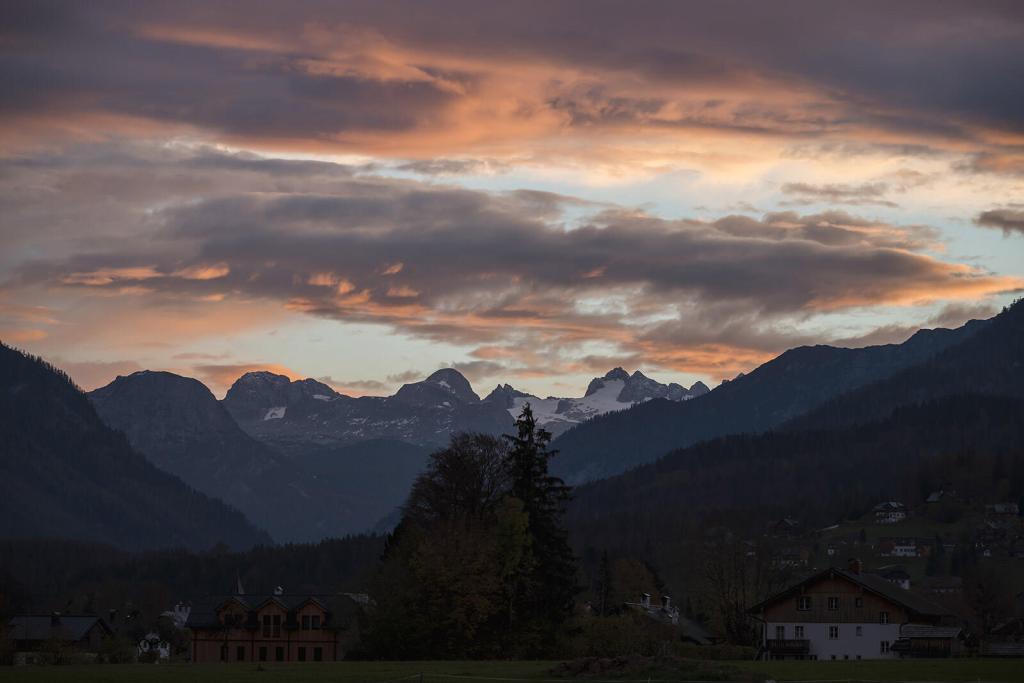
{"points": [[547, 587]]}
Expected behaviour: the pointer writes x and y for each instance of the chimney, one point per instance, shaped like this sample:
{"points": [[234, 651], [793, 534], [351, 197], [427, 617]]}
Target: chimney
{"points": [[55, 619], [645, 600], [666, 602], [855, 565]]}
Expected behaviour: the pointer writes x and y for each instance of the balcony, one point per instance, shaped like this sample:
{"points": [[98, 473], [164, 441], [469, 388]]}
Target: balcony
{"points": [[789, 646]]}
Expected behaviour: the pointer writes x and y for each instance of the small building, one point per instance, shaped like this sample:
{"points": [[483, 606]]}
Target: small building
{"points": [[843, 615], [1002, 510], [895, 574], [890, 512], [903, 547], [273, 628], [943, 494], [81, 632], [666, 612], [918, 640], [787, 527]]}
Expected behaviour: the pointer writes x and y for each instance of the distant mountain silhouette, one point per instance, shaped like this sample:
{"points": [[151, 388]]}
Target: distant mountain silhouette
{"points": [[65, 474], [179, 425]]}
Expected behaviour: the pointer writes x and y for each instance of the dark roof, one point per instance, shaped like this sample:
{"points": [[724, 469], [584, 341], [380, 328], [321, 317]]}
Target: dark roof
{"points": [[204, 612], [876, 584], [916, 631], [42, 627]]}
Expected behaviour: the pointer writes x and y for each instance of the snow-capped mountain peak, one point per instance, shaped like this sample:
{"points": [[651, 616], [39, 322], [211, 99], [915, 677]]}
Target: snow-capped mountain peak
{"points": [[616, 390]]}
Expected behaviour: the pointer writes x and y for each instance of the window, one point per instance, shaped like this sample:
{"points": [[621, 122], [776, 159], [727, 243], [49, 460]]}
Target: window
{"points": [[833, 603], [883, 617], [884, 647], [803, 603], [240, 653], [799, 631], [833, 633], [266, 626], [223, 653], [318, 654], [276, 626], [302, 654], [305, 622], [860, 631], [263, 654], [780, 633], [858, 602], [315, 622], [278, 654]]}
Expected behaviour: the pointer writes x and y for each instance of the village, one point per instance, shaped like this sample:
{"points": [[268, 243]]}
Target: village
{"points": [[884, 587]]}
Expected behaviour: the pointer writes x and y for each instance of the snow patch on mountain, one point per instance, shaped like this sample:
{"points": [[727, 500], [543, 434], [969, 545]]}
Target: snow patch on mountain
{"points": [[275, 413], [617, 390]]}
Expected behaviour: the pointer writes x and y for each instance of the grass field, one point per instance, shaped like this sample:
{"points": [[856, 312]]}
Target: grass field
{"points": [[948, 671]]}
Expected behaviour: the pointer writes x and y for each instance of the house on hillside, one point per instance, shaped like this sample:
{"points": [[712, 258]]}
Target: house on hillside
{"points": [[903, 547], [1002, 510], [943, 494], [846, 614], [787, 527], [890, 512], [280, 627], [895, 574], [82, 633]]}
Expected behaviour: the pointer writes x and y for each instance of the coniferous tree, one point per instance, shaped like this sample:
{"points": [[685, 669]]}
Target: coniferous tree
{"points": [[547, 588]]}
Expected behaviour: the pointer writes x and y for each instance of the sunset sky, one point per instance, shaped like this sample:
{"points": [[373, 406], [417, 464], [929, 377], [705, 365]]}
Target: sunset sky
{"points": [[530, 192]]}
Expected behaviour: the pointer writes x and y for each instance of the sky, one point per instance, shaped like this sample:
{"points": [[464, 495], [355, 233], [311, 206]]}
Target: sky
{"points": [[529, 192]]}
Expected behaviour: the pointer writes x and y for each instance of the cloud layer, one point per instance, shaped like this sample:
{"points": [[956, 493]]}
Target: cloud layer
{"points": [[506, 273], [539, 189]]}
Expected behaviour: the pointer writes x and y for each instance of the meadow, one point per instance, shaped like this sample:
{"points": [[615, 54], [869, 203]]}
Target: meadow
{"points": [[933, 671]]}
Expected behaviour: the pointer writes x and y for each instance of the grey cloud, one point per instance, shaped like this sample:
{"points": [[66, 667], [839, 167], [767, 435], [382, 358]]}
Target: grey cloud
{"points": [[476, 267], [839, 193], [438, 167], [876, 65], [1007, 220]]}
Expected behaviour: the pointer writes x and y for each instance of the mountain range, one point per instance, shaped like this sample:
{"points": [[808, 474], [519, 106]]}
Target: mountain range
{"points": [[179, 425], [291, 415], [955, 419], [781, 389], [305, 462]]}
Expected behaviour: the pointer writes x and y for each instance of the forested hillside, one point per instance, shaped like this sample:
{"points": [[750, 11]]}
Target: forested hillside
{"points": [[990, 362], [815, 476], [64, 474], [781, 389]]}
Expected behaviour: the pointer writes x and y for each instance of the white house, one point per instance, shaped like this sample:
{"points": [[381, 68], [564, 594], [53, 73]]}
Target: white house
{"points": [[848, 615], [890, 512]]}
